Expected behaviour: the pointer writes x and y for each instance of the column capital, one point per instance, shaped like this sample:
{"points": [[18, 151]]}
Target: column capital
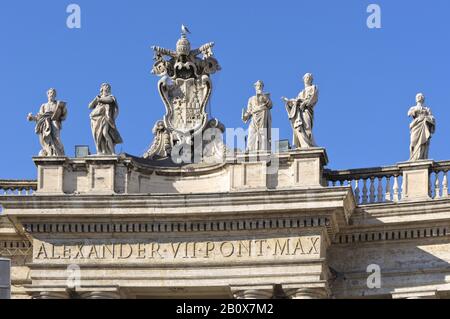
{"points": [[307, 293], [254, 292], [51, 294], [98, 293], [429, 294]]}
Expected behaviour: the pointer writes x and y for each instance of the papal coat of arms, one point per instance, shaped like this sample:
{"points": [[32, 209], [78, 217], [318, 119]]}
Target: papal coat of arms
{"points": [[185, 88]]}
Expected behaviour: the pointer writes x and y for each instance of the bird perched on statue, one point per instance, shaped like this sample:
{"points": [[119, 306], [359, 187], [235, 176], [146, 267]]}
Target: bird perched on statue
{"points": [[185, 30]]}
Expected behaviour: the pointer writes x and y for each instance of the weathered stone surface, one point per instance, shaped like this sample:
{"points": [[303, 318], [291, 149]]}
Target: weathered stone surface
{"points": [[49, 124]]}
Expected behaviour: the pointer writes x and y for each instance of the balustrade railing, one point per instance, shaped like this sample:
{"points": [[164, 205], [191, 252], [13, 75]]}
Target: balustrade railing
{"points": [[386, 184], [370, 185], [17, 187], [439, 180]]}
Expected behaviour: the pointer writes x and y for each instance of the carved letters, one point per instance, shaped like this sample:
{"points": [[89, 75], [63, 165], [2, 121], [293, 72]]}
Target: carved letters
{"points": [[239, 249]]}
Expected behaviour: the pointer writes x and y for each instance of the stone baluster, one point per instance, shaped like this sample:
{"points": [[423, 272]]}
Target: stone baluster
{"points": [[380, 190], [445, 185], [357, 191], [437, 186], [396, 189], [430, 186], [372, 190], [364, 191], [388, 193]]}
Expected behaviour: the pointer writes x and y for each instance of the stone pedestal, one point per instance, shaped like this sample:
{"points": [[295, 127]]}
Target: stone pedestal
{"points": [[416, 180], [91, 175], [108, 175], [50, 174]]}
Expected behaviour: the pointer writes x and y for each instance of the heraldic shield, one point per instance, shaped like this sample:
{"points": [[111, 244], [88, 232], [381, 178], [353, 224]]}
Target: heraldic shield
{"points": [[185, 88], [185, 101]]}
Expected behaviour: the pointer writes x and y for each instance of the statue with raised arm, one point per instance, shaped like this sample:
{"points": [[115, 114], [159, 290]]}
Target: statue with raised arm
{"points": [[301, 113], [422, 128], [103, 121], [49, 124], [258, 113]]}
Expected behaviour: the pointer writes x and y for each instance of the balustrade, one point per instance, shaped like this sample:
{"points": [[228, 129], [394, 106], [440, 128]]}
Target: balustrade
{"points": [[386, 184], [16, 187]]}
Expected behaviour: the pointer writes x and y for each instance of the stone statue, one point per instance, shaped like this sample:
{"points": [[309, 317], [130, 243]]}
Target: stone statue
{"points": [[185, 88], [103, 121], [49, 124], [258, 111], [162, 144], [301, 113], [422, 128]]}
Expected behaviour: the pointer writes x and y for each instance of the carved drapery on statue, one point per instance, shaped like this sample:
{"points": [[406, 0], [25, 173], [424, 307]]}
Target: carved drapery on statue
{"points": [[162, 144], [258, 113], [422, 128], [301, 113], [105, 110], [185, 88], [49, 124]]}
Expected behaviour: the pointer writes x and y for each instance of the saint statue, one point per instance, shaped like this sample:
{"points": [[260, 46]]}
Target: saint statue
{"points": [[301, 113], [49, 124], [258, 111], [422, 128], [162, 143], [103, 121]]}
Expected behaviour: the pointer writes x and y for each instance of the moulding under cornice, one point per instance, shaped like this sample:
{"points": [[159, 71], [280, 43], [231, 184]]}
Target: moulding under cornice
{"points": [[363, 214], [387, 234], [245, 201]]}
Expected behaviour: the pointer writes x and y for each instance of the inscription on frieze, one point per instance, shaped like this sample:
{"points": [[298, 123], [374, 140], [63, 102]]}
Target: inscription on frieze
{"points": [[252, 249]]}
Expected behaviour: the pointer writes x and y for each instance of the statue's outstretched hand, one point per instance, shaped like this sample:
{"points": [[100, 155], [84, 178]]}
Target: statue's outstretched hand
{"points": [[30, 117]]}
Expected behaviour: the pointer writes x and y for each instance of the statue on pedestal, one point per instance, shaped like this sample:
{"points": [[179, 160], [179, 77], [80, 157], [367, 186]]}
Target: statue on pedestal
{"points": [[422, 128], [185, 88], [301, 113], [49, 124], [103, 121], [258, 112]]}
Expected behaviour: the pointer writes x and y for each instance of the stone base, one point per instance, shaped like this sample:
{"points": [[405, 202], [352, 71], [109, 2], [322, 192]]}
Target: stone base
{"points": [[129, 175]]}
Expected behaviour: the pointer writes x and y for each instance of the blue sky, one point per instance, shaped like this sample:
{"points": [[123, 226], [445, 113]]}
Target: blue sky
{"points": [[368, 78]]}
